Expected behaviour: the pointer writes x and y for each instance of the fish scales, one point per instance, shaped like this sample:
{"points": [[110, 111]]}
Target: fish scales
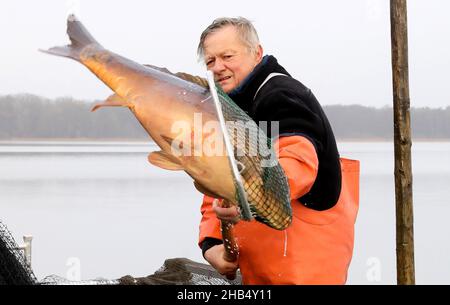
{"points": [[161, 100]]}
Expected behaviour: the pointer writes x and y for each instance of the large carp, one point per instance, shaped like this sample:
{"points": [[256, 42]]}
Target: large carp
{"points": [[172, 110]]}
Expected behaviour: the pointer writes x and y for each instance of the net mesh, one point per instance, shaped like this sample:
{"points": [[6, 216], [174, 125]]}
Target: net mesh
{"points": [[13, 267], [175, 271], [182, 271], [265, 183], [14, 270]]}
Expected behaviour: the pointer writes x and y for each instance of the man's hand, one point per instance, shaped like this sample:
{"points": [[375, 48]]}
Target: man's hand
{"points": [[230, 214], [224, 258], [215, 256]]}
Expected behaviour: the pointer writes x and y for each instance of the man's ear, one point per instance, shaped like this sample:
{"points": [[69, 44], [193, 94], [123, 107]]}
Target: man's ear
{"points": [[259, 53]]}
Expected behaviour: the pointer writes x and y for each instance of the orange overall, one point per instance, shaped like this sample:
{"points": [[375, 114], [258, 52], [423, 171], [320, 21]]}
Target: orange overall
{"points": [[317, 247]]}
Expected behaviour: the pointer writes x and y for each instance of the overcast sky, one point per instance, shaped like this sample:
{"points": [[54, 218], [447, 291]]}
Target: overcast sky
{"points": [[339, 49]]}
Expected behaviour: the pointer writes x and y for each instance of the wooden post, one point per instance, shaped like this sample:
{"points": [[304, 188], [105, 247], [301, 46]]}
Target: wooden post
{"points": [[402, 146]]}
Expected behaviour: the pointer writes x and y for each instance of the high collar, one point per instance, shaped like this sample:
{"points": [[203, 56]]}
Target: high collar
{"points": [[244, 93]]}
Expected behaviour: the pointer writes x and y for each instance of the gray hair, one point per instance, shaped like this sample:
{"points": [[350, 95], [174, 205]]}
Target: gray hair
{"points": [[245, 28]]}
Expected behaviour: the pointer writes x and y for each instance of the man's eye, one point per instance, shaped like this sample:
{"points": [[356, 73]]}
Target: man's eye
{"points": [[209, 62], [228, 56]]}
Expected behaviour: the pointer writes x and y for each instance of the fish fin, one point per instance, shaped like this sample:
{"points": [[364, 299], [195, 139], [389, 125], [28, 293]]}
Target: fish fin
{"points": [[202, 189], [168, 140], [165, 160], [65, 51], [185, 76], [203, 82], [79, 37], [112, 100], [165, 70]]}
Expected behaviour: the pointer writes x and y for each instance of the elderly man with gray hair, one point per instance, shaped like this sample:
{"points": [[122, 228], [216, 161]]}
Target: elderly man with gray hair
{"points": [[317, 247]]}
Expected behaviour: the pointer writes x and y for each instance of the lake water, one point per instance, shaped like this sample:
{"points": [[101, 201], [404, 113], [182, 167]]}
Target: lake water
{"points": [[100, 210]]}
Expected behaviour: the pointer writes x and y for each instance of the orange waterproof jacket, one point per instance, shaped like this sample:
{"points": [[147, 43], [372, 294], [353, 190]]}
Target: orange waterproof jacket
{"points": [[317, 247]]}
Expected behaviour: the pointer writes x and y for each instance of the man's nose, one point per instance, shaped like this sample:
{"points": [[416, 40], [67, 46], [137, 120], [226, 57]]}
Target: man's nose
{"points": [[218, 66]]}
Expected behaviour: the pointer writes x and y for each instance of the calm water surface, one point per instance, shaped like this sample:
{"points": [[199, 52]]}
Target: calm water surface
{"points": [[101, 208]]}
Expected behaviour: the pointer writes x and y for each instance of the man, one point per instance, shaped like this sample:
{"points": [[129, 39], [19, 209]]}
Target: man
{"points": [[318, 245]]}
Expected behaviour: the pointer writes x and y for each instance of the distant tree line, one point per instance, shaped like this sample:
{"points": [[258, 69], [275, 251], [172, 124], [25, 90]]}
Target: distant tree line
{"points": [[28, 116], [361, 122]]}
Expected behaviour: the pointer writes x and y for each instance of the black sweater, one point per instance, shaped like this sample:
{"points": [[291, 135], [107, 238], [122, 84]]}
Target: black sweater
{"points": [[288, 101]]}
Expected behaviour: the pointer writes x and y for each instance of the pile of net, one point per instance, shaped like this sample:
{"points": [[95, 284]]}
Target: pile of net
{"points": [[13, 268], [176, 271], [182, 271]]}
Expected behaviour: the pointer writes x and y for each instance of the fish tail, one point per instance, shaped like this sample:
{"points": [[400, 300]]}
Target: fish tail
{"points": [[79, 37]]}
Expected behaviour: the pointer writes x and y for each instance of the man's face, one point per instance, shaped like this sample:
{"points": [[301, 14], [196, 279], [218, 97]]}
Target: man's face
{"points": [[229, 58]]}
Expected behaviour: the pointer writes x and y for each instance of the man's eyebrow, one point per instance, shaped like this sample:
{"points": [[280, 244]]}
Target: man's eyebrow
{"points": [[221, 53], [228, 51]]}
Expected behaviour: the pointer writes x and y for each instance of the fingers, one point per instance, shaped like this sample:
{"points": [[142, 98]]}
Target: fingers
{"points": [[230, 214], [215, 256]]}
